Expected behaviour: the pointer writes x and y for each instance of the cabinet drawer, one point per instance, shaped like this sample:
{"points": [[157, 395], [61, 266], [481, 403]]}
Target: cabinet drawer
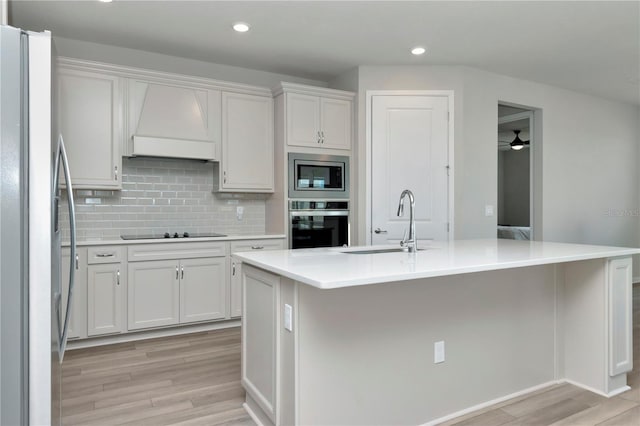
{"points": [[176, 251], [104, 254], [251, 245]]}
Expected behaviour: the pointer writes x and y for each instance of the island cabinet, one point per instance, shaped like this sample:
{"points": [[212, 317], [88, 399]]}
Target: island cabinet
{"points": [[236, 269], [247, 143], [173, 284], [78, 313], [106, 281], [511, 317], [316, 117], [172, 118], [89, 118]]}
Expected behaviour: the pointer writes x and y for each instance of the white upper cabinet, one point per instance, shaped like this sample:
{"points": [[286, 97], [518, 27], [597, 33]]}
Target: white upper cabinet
{"points": [[317, 117], [247, 143], [89, 117], [174, 120]]}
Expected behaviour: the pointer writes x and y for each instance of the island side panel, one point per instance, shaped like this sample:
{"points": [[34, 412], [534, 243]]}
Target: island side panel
{"points": [[366, 354], [595, 294]]}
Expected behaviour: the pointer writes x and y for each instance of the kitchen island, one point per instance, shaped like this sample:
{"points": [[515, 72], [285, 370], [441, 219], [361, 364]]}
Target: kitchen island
{"points": [[360, 336]]}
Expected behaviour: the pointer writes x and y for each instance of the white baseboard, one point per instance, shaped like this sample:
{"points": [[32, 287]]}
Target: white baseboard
{"points": [[590, 389], [253, 415], [150, 334], [636, 280], [489, 403]]}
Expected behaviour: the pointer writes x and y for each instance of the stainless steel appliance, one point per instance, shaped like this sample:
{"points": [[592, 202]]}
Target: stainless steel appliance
{"points": [[318, 224], [33, 322], [318, 176], [170, 235]]}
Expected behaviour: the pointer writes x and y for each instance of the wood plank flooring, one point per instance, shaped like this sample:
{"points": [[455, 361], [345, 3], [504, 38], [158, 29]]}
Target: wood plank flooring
{"points": [[195, 380]]}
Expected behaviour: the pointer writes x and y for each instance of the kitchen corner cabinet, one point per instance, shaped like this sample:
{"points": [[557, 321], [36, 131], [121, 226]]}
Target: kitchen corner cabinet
{"points": [[318, 121], [236, 269], [78, 314], [178, 120], [105, 283], [173, 284], [89, 117], [247, 144]]}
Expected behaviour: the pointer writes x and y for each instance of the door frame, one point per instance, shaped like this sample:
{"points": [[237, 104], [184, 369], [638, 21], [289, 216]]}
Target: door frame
{"points": [[449, 94]]}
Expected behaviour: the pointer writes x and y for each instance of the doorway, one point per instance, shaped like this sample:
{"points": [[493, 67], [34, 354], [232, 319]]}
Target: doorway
{"points": [[515, 172], [410, 143]]}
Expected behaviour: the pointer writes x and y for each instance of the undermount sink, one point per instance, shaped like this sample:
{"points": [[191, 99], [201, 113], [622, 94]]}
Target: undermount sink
{"points": [[380, 250]]}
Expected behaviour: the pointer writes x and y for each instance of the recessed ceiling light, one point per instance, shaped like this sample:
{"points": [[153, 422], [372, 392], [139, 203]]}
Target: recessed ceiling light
{"points": [[418, 50], [241, 27], [105, 1]]}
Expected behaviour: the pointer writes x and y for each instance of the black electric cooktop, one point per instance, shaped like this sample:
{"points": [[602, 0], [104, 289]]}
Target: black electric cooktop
{"points": [[171, 235]]}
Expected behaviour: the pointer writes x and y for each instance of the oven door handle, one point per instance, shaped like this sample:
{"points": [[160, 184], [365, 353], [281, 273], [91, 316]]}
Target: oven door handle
{"points": [[319, 213]]}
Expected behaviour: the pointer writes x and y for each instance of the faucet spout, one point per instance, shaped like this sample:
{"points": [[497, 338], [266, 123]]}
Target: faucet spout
{"points": [[410, 242]]}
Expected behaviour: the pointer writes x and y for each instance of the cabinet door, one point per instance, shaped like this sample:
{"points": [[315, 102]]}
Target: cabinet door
{"points": [[203, 294], [154, 291], [173, 120], [335, 127], [303, 120], [89, 119], [247, 143], [104, 297], [236, 289], [78, 314]]}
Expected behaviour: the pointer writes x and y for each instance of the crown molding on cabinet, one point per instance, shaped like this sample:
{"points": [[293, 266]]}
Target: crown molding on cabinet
{"points": [[312, 90], [131, 72]]}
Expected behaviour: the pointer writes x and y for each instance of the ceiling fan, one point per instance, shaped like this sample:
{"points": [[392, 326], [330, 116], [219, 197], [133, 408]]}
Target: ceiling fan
{"points": [[516, 144]]}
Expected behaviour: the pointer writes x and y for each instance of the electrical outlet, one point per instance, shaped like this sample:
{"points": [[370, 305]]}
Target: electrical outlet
{"points": [[438, 352], [288, 317], [239, 212]]}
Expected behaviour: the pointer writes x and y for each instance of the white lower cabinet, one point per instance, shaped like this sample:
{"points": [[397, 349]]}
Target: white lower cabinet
{"points": [[154, 294], [78, 312], [105, 284], [236, 269], [203, 289]]}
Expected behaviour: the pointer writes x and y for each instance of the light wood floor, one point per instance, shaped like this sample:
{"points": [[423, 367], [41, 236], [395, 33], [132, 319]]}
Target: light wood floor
{"points": [[195, 380]]}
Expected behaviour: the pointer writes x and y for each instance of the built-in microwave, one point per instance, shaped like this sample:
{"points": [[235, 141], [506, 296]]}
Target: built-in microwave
{"points": [[318, 176]]}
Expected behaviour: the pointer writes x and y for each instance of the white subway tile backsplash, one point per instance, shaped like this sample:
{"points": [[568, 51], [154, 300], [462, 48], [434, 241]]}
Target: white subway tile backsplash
{"points": [[160, 195]]}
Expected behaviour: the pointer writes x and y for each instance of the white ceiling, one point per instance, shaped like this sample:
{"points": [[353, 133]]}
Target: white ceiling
{"points": [[592, 46]]}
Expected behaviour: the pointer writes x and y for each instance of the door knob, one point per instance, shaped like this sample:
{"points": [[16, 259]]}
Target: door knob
{"points": [[380, 231]]}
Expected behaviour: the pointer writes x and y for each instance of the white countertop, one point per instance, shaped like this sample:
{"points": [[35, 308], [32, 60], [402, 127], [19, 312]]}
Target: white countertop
{"points": [[329, 268], [107, 242]]}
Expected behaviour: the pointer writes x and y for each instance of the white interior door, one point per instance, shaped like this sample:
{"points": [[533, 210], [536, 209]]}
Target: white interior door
{"points": [[409, 151]]}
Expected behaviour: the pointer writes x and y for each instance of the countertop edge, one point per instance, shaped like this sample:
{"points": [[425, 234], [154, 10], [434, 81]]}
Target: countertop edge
{"points": [[175, 240]]}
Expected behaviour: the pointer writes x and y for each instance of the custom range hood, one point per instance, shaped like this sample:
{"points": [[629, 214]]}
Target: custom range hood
{"points": [[174, 121]]}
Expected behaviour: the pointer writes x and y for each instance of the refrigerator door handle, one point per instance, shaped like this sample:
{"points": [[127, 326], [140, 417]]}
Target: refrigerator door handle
{"points": [[61, 157]]}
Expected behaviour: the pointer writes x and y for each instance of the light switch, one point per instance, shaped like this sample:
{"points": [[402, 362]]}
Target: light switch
{"points": [[288, 317], [239, 212], [488, 210], [438, 352]]}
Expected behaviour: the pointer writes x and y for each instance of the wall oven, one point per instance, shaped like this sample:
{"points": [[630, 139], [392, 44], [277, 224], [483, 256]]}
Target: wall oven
{"points": [[318, 176], [318, 224]]}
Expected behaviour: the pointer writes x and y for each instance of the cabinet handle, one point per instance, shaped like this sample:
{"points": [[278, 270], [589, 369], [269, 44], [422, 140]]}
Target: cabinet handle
{"points": [[118, 275], [319, 139], [182, 272], [176, 272], [233, 269], [105, 254], [116, 172], [380, 231], [77, 261], [224, 177], [257, 247], [322, 136]]}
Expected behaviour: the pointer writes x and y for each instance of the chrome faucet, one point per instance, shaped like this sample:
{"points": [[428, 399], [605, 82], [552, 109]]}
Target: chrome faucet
{"points": [[411, 242]]}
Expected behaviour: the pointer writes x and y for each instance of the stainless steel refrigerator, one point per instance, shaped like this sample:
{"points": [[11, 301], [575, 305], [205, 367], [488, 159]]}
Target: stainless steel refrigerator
{"points": [[32, 316]]}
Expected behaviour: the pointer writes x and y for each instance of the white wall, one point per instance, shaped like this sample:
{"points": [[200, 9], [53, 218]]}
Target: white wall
{"points": [[4, 13], [589, 152], [158, 62]]}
